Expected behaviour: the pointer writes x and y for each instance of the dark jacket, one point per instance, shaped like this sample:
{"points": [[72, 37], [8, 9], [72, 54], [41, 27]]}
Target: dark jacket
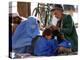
{"points": [[69, 31]]}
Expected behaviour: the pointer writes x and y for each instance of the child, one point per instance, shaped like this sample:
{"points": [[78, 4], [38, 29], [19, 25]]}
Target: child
{"points": [[45, 45]]}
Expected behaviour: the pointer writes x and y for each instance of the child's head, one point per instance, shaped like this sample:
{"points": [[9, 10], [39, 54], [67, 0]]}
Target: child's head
{"points": [[47, 33]]}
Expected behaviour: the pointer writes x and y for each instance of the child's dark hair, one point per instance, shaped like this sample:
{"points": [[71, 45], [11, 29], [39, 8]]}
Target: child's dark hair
{"points": [[47, 32]]}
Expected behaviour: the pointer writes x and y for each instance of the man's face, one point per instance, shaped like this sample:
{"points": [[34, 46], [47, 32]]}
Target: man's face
{"points": [[58, 14]]}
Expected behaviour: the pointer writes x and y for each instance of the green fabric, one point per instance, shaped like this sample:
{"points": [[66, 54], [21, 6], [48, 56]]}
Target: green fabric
{"points": [[69, 31]]}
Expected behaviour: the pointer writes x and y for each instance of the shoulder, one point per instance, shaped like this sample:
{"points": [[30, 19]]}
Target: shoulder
{"points": [[67, 15], [67, 18], [41, 38], [53, 41], [23, 22]]}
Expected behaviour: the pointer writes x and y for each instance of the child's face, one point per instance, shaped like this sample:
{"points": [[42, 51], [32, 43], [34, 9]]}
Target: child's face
{"points": [[49, 37]]}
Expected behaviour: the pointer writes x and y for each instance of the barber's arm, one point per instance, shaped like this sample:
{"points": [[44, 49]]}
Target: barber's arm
{"points": [[67, 25]]}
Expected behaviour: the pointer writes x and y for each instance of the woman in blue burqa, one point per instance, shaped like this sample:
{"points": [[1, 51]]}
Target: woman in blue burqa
{"points": [[25, 32]]}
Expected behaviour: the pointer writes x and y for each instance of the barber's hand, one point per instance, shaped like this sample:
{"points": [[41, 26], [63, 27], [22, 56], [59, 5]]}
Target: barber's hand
{"points": [[56, 28], [61, 49]]}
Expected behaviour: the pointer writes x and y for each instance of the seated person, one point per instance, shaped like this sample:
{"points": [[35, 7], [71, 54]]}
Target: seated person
{"points": [[45, 45], [64, 45], [23, 35]]}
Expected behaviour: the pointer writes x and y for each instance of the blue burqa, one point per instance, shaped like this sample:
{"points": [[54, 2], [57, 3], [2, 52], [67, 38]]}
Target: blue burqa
{"points": [[25, 32]]}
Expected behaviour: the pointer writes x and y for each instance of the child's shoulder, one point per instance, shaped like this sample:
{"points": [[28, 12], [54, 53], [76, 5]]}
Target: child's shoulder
{"points": [[41, 38], [54, 40]]}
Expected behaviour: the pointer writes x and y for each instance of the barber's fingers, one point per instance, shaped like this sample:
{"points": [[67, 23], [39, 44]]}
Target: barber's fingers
{"points": [[61, 49]]}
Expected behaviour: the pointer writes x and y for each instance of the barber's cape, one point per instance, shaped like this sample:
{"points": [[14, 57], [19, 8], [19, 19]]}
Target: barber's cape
{"points": [[24, 33], [45, 47]]}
